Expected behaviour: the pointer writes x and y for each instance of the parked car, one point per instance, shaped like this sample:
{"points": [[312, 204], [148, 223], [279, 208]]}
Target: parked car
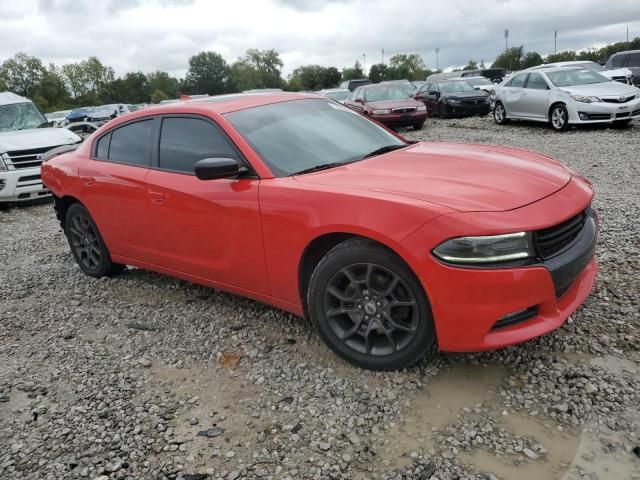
{"points": [[496, 75], [389, 105], [393, 249], [479, 83], [409, 87], [351, 85], [450, 98], [57, 119], [417, 83], [565, 97], [337, 94], [629, 59], [622, 75], [23, 141], [102, 114], [78, 115], [256, 90]]}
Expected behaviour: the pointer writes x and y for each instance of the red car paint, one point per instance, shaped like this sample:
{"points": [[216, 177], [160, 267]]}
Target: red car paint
{"points": [[410, 200]]}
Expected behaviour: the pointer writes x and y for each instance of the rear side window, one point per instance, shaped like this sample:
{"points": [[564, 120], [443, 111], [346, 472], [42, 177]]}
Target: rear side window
{"points": [[633, 60], [102, 149], [518, 81], [131, 144], [185, 141], [536, 82]]}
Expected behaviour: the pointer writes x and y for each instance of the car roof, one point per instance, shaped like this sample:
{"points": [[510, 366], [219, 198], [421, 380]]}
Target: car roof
{"points": [[625, 52], [9, 98]]}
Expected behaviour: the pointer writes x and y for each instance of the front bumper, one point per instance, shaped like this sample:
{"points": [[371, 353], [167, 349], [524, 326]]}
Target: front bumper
{"points": [[400, 119], [463, 109], [22, 185], [602, 112]]}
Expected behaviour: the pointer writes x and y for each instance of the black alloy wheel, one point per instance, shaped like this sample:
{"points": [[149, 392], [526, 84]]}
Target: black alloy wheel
{"points": [[370, 308]]}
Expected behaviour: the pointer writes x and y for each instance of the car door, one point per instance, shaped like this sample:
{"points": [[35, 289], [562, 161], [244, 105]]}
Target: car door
{"points": [[207, 228], [534, 101], [114, 189], [512, 96], [433, 94]]}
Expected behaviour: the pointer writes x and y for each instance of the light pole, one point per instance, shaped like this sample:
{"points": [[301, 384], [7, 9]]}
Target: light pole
{"points": [[364, 64], [506, 46], [555, 41], [437, 59]]}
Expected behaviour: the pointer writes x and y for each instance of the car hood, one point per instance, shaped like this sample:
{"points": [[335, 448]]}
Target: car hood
{"points": [[462, 177], [616, 72], [409, 102], [473, 94], [36, 138], [601, 89]]}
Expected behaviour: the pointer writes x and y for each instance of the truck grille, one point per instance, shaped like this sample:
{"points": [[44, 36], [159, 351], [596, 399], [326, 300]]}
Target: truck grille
{"points": [[27, 158], [553, 240]]}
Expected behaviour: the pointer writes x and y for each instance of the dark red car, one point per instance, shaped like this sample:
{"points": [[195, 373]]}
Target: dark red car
{"points": [[392, 249], [388, 104]]}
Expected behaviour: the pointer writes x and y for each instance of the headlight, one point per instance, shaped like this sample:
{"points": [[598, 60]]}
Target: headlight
{"points": [[3, 166], [381, 112], [453, 100], [582, 99], [486, 249], [421, 109]]}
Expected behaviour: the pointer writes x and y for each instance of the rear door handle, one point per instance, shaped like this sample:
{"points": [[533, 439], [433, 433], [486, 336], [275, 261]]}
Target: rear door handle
{"points": [[88, 181], [156, 197]]}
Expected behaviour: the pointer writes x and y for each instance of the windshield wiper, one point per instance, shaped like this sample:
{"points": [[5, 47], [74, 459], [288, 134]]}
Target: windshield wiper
{"points": [[317, 168], [385, 149]]}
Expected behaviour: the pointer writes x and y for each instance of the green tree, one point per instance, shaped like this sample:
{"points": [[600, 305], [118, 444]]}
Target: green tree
{"points": [[472, 65], [566, 56], [87, 79], [164, 82], [406, 66], [257, 69], [509, 59], [332, 77], [208, 73], [22, 74], [378, 72], [135, 88], [353, 73], [52, 92], [311, 77], [531, 59], [158, 95]]}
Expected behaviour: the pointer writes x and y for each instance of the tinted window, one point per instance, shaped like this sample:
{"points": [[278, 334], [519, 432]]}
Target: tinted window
{"points": [[184, 141], [518, 81], [633, 60], [102, 149], [536, 82], [131, 144], [617, 61]]}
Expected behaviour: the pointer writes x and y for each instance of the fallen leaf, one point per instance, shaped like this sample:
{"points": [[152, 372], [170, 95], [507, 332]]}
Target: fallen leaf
{"points": [[229, 359]]}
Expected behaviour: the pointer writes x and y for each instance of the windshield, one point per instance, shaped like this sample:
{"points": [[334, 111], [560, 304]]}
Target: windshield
{"points": [[379, 94], [338, 96], [455, 87], [20, 116], [57, 115], [300, 134], [590, 65], [478, 81], [575, 77]]}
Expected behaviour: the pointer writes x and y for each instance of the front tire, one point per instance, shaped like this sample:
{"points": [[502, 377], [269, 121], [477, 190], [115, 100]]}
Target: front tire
{"points": [[87, 245], [418, 126], [559, 117], [500, 114], [370, 308]]}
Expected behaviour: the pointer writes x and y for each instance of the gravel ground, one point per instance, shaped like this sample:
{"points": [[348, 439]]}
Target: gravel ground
{"points": [[144, 376]]}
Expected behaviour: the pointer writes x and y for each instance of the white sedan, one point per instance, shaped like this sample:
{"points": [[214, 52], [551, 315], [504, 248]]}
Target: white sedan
{"points": [[564, 97], [622, 75]]}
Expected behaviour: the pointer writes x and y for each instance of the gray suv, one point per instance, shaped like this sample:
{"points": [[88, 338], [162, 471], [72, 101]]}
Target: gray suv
{"points": [[629, 59]]}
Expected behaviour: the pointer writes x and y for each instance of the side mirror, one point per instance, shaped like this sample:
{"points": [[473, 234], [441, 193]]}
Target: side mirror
{"points": [[477, 88], [213, 168]]}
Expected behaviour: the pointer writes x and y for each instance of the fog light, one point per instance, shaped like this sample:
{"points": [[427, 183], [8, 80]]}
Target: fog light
{"points": [[583, 116]]}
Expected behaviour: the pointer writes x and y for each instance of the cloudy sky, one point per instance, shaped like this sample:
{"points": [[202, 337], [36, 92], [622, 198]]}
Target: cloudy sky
{"points": [[149, 35]]}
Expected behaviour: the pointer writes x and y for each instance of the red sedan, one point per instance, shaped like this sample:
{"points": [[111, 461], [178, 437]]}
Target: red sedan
{"points": [[393, 249]]}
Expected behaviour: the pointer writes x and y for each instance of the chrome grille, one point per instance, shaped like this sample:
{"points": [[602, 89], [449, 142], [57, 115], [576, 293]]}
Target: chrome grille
{"points": [[621, 99], [404, 110], [27, 158]]}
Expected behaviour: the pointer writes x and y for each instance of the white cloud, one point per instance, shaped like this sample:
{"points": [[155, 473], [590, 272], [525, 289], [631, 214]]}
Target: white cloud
{"points": [[161, 34]]}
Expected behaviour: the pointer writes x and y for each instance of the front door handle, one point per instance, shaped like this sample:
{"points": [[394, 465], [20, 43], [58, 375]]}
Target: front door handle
{"points": [[88, 181], [156, 197]]}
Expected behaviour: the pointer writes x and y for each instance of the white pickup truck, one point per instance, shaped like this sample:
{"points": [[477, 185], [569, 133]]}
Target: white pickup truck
{"points": [[24, 138]]}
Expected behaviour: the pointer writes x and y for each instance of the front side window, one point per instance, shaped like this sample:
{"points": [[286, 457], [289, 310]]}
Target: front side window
{"points": [[20, 116], [379, 94], [536, 82], [301, 134], [360, 93], [567, 78], [131, 143], [185, 141], [518, 81]]}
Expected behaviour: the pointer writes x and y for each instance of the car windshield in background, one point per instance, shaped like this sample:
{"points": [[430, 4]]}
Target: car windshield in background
{"points": [[338, 96], [380, 94], [20, 116], [478, 81], [302, 134], [575, 77], [455, 87], [596, 67]]}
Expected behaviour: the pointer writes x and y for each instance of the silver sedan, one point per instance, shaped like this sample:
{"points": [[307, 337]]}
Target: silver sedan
{"points": [[565, 97]]}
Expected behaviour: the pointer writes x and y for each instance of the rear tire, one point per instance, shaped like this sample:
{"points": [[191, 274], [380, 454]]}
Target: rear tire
{"points": [[370, 308], [87, 245], [559, 117], [500, 114]]}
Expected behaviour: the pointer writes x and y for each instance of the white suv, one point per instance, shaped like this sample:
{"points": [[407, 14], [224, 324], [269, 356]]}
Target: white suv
{"points": [[24, 138]]}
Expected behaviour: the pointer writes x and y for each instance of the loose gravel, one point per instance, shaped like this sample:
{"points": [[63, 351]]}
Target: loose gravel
{"points": [[145, 376]]}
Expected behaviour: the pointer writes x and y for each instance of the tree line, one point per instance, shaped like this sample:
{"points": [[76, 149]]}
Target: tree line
{"points": [[90, 82]]}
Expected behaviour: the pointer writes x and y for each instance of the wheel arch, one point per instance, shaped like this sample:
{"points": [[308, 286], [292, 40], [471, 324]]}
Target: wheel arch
{"points": [[61, 206], [552, 106]]}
